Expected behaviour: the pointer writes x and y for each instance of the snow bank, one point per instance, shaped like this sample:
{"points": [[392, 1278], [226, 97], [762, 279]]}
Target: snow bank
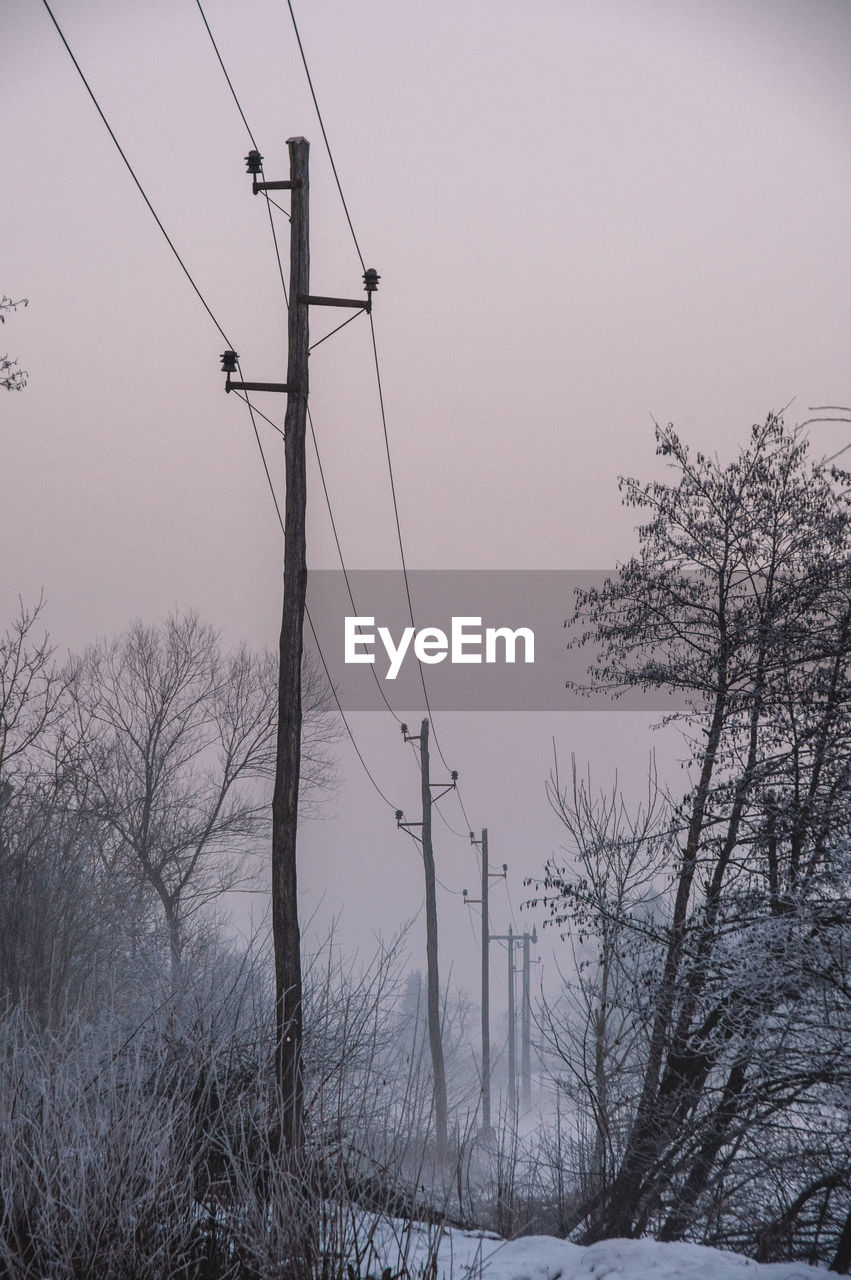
{"points": [[475, 1256]]}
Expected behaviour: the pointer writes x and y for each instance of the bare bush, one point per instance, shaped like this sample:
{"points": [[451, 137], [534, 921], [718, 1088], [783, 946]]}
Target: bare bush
{"points": [[155, 1149]]}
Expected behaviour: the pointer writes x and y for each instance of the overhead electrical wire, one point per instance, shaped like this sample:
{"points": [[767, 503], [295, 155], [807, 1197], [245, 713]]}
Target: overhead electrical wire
{"points": [[346, 578], [316, 344], [269, 203], [399, 526], [319, 342], [325, 135], [252, 139], [263, 458], [132, 173], [240, 395], [208, 309], [252, 410], [377, 370], [366, 769], [226, 76], [147, 201], [403, 558], [348, 727]]}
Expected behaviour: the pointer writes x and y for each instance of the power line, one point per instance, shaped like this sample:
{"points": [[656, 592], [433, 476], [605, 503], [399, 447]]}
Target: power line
{"points": [[277, 249], [325, 135], [355, 315], [511, 906], [227, 77], [310, 418], [399, 526], [286, 302], [269, 202], [340, 552], [224, 335], [380, 391], [366, 770], [378, 380], [348, 727], [132, 173], [157, 218], [263, 458], [464, 811], [242, 396], [462, 835]]}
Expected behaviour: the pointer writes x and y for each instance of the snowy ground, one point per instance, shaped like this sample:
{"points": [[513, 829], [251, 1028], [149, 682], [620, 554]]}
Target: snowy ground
{"points": [[473, 1256]]}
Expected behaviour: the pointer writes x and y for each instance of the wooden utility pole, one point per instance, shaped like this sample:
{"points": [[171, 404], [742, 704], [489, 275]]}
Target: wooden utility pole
{"points": [[526, 1022], [285, 928], [513, 941], [487, 875], [435, 1038], [512, 1025], [486, 1033]]}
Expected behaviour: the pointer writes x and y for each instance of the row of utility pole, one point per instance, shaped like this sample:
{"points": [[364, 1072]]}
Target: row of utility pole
{"points": [[285, 923], [523, 940], [433, 978], [512, 940]]}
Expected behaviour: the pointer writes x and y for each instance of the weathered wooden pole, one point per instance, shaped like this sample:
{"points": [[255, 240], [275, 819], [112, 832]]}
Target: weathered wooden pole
{"points": [[435, 1037], [512, 1028], [285, 927], [526, 1025], [486, 1034]]}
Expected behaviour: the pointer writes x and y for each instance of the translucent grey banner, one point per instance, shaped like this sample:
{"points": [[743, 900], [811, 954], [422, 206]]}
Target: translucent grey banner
{"points": [[469, 624]]}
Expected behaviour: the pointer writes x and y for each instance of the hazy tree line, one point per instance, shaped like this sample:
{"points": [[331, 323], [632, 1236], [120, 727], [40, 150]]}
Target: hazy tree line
{"points": [[133, 794], [139, 1115], [706, 1039]]}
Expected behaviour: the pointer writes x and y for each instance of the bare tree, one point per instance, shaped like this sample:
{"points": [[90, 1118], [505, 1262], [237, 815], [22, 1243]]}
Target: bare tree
{"points": [[31, 691], [606, 898], [11, 377], [172, 748], [61, 937], [58, 915], [740, 601]]}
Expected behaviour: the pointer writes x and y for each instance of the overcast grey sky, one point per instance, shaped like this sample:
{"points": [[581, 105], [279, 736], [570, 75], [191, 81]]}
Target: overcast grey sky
{"points": [[585, 214]]}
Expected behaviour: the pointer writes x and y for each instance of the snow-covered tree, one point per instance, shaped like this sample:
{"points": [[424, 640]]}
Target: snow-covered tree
{"points": [[740, 601]]}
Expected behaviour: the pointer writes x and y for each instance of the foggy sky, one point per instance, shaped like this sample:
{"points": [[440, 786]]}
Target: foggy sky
{"points": [[585, 215]]}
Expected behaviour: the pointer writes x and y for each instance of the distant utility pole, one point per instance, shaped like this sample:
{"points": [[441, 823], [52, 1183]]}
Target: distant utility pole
{"points": [[526, 1016], [285, 926], [510, 939], [512, 1025], [486, 1041], [526, 1022], [435, 1039]]}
